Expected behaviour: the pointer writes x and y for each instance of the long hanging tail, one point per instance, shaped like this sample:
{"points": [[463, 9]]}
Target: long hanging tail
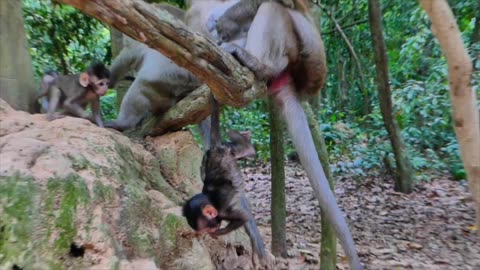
{"points": [[252, 230]]}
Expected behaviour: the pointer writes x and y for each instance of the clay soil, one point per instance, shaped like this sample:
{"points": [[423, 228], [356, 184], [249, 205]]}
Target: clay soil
{"points": [[432, 228]]}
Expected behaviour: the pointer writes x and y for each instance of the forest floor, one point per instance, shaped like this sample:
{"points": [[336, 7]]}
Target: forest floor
{"points": [[432, 228]]}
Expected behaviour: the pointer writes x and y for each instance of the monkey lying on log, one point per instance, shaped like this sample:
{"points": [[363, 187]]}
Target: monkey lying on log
{"points": [[73, 93], [284, 48]]}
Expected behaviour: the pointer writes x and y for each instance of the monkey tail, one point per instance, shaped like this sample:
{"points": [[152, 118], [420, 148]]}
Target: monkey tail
{"points": [[252, 230]]}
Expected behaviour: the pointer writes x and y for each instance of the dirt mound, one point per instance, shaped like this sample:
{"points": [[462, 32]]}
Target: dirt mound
{"points": [[75, 196]]}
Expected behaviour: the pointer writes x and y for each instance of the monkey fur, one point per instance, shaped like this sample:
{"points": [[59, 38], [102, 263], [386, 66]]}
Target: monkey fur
{"points": [[159, 83], [223, 182], [74, 92]]}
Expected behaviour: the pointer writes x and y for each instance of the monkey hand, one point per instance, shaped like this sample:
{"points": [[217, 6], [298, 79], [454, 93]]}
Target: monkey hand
{"points": [[213, 235], [54, 116], [227, 29], [229, 48]]}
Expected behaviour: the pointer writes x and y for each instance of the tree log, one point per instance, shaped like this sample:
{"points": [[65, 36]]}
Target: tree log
{"points": [[231, 83], [464, 100]]}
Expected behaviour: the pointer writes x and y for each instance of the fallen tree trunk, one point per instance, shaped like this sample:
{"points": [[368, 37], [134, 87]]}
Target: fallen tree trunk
{"points": [[231, 83]]}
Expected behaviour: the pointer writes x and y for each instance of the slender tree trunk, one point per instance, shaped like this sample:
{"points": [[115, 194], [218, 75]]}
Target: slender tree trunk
{"points": [[278, 208], [476, 30], [464, 100], [328, 252], [405, 176], [17, 84], [362, 84]]}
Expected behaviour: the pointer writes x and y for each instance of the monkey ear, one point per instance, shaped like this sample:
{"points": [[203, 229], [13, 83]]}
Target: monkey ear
{"points": [[84, 79], [240, 144], [209, 211]]}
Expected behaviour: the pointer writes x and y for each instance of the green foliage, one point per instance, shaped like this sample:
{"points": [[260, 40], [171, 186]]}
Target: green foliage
{"points": [[252, 118], [62, 38], [109, 105]]}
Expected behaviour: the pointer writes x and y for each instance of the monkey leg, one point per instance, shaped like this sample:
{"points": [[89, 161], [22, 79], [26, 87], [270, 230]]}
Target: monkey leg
{"points": [[204, 128], [133, 108], [53, 101], [270, 44], [313, 67]]}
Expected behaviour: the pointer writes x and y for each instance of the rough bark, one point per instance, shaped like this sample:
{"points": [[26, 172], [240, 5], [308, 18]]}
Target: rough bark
{"points": [[278, 206], [230, 83], [464, 100], [17, 84], [328, 252], [405, 176]]}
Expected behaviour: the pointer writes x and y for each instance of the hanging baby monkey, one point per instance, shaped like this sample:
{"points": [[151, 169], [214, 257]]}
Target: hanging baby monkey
{"points": [[73, 93], [223, 184]]}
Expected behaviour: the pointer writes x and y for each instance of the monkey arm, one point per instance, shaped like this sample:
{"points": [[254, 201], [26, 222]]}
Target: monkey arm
{"points": [[262, 71], [239, 15], [71, 105], [97, 113], [237, 219], [54, 94]]}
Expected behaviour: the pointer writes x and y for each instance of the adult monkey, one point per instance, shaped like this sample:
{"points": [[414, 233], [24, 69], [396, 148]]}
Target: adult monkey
{"points": [[284, 47], [158, 84], [198, 17]]}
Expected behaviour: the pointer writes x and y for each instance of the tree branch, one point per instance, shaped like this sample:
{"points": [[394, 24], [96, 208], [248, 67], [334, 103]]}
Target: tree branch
{"points": [[231, 83]]}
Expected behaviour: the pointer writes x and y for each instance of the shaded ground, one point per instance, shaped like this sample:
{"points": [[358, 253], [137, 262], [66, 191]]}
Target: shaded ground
{"points": [[431, 228]]}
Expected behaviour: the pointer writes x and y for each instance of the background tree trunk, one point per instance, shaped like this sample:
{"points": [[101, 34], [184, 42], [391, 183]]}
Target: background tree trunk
{"points": [[328, 252], [404, 176], [476, 29], [464, 100], [278, 205], [17, 84]]}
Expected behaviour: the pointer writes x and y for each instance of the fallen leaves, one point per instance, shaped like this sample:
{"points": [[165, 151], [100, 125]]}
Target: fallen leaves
{"points": [[432, 228]]}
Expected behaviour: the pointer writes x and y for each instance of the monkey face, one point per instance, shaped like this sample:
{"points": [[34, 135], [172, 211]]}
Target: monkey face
{"points": [[100, 86], [201, 215]]}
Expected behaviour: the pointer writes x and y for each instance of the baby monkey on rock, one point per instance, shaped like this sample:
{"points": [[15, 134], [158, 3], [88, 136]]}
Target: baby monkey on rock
{"points": [[73, 93]]}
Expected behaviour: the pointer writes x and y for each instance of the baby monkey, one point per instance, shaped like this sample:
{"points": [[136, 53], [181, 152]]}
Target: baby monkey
{"points": [[223, 183], [73, 93]]}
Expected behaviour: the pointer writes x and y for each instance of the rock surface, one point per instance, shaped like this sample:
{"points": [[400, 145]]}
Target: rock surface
{"points": [[75, 196]]}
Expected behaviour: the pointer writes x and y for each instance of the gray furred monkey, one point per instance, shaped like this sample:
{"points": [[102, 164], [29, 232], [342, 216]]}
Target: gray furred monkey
{"points": [[74, 92], [159, 82], [285, 48]]}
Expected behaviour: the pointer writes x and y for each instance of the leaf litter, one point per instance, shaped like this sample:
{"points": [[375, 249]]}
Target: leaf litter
{"points": [[431, 228]]}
